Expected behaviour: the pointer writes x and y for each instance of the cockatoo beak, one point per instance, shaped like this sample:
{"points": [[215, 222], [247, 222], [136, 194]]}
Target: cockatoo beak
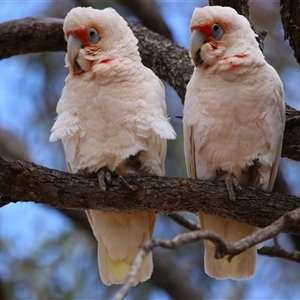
{"points": [[196, 42], [74, 45]]}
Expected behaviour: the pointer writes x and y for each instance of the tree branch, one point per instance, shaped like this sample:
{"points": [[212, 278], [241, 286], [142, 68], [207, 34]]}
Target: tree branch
{"points": [[279, 252], [169, 61], [223, 248], [274, 251], [262, 234], [23, 181], [290, 17], [184, 222]]}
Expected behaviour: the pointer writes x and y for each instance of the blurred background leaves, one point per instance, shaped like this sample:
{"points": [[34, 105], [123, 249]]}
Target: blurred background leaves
{"points": [[51, 254]]}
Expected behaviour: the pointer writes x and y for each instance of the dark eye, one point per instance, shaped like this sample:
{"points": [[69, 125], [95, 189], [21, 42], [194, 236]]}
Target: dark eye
{"points": [[93, 35], [217, 31]]}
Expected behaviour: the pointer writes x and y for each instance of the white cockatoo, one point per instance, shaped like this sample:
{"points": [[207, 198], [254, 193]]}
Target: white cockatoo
{"points": [[112, 119], [234, 116]]}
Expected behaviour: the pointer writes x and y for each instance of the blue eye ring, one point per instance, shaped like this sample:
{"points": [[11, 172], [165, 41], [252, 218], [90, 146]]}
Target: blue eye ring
{"points": [[217, 31], [93, 35]]}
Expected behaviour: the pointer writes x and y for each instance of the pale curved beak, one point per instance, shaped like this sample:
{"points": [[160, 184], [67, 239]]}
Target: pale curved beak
{"points": [[73, 47], [196, 42]]}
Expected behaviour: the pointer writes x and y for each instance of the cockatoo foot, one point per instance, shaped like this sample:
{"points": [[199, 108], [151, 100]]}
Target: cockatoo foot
{"points": [[104, 178], [231, 183]]}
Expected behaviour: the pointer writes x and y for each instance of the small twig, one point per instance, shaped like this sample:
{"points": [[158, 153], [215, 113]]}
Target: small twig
{"points": [[262, 234], [278, 251], [223, 248], [185, 222], [274, 251]]}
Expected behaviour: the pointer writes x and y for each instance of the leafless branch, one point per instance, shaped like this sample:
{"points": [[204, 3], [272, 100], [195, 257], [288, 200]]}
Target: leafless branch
{"points": [[262, 234], [223, 248], [274, 251], [185, 222], [278, 251], [178, 240]]}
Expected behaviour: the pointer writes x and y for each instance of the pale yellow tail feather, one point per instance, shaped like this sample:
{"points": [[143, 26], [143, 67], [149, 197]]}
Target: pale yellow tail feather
{"points": [[120, 236], [115, 271], [241, 266]]}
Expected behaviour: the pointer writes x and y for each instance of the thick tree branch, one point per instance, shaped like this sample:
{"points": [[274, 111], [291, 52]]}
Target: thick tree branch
{"points": [[23, 181], [169, 61], [31, 35]]}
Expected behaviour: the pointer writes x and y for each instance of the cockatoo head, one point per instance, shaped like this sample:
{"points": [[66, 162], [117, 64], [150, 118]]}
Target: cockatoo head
{"points": [[96, 37], [217, 33]]}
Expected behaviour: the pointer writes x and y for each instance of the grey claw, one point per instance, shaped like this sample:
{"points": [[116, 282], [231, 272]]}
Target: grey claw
{"points": [[231, 182], [236, 184], [104, 178], [108, 177]]}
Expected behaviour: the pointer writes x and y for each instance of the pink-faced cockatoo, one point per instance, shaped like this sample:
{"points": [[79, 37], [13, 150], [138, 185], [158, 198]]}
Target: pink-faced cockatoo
{"points": [[234, 116], [112, 119]]}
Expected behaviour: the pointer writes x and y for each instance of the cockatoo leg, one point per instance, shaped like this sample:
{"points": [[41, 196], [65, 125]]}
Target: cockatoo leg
{"points": [[231, 183], [104, 178]]}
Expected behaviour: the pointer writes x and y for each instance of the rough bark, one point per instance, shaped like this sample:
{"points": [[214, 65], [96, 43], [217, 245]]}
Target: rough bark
{"points": [[23, 181], [291, 139], [290, 16], [31, 35]]}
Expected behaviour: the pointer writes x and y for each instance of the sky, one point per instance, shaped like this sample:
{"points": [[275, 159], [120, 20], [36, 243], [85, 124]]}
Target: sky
{"points": [[28, 226]]}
